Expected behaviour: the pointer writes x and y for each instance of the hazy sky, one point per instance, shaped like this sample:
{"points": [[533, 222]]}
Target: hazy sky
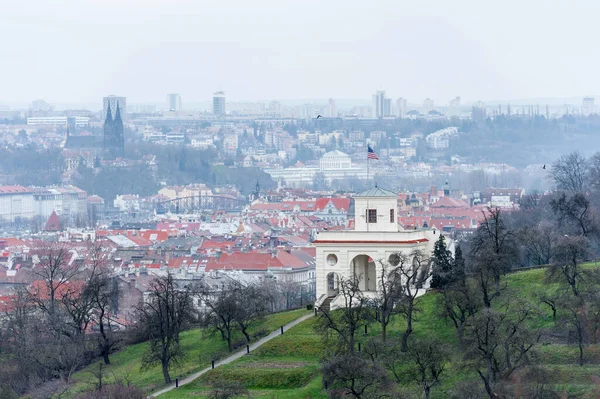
{"points": [[77, 51]]}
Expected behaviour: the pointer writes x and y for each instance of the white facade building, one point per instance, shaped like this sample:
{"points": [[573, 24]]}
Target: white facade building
{"points": [[334, 165], [441, 139], [335, 160], [127, 203], [376, 237], [174, 101], [80, 121], [16, 203]]}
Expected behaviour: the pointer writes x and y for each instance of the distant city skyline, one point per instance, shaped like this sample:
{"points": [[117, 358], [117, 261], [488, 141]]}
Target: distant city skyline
{"points": [[434, 49], [341, 103]]}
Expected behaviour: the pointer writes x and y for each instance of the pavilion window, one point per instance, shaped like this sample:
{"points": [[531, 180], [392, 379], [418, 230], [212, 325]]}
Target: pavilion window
{"points": [[371, 215]]}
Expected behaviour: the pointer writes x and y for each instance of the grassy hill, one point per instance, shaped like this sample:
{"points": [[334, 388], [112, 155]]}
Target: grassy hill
{"points": [[288, 366], [200, 349]]}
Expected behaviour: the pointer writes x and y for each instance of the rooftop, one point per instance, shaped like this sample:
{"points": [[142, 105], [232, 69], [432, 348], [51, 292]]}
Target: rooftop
{"points": [[376, 192]]}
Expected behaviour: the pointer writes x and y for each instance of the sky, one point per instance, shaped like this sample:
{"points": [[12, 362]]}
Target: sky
{"points": [[76, 51]]}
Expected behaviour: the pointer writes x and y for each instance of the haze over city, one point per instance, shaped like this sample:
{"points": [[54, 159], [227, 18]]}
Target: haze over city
{"points": [[299, 199], [74, 52]]}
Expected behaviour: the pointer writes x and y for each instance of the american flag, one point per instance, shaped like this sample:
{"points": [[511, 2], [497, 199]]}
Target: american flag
{"points": [[371, 154]]}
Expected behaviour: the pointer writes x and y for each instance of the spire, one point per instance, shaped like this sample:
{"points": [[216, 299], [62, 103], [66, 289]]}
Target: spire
{"points": [[118, 114], [109, 117]]}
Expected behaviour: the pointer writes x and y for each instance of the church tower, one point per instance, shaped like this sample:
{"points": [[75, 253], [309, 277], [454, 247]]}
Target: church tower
{"points": [[118, 132], [113, 135]]}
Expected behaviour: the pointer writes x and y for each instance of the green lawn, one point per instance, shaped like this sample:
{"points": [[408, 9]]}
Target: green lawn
{"points": [[288, 366], [200, 350], [285, 367]]}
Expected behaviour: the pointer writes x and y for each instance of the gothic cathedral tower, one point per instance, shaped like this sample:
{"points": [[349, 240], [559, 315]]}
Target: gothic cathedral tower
{"points": [[114, 142]]}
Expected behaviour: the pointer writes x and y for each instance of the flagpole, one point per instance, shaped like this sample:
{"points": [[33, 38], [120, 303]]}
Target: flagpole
{"points": [[367, 215]]}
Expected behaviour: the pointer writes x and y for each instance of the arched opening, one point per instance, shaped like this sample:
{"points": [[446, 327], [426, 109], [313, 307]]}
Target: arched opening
{"points": [[365, 270], [333, 282]]}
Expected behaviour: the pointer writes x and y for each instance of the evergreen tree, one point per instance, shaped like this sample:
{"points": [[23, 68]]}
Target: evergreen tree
{"points": [[458, 266], [442, 264]]}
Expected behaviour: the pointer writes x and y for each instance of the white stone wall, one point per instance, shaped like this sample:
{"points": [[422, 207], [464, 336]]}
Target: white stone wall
{"points": [[383, 205]]}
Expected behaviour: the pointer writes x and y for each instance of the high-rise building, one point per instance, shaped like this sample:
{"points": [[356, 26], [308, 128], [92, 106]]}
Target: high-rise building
{"points": [[588, 105], [174, 101], [219, 103], [428, 105], [40, 108], [330, 110], [478, 111], [401, 107], [114, 141], [454, 107], [378, 107], [111, 102]]}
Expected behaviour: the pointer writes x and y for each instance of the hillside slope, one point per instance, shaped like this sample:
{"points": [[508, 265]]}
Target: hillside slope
{"points": [[288, 366]]}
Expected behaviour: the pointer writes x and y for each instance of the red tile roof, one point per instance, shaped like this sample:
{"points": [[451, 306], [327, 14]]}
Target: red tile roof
{"points": [[14, 190], [338, 203]]}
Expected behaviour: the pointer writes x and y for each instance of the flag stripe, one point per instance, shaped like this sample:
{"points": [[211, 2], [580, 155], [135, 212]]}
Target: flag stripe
{"points": [[371, 154]]}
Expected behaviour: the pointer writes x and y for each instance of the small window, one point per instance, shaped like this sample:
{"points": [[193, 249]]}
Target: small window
{"points": [[372, 216], [392, 220]]}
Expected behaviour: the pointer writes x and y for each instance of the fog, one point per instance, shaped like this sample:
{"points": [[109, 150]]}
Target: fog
{"points": [[77, 51]]}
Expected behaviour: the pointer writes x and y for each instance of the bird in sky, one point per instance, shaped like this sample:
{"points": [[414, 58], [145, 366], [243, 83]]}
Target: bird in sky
{"points": [[319, 116], [544, 167]]}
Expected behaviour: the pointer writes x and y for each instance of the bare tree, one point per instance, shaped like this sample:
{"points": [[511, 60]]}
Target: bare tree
{"points": [[340, 329], [539, 243], [493, 251], [567, 268], [353, 375], [496, 344], [569, 173], [103, 292], [222, 310], [539, 383], [594, 171], [167, 311], [389, 296], [574, 214], [460, 301], [53, 272], [530, 201], [413, 271], [428, 358], [251, 307], [552, 302], [573, 316]]}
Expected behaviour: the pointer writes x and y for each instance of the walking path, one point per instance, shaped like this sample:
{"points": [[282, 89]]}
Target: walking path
{"points": [[233, 357]]}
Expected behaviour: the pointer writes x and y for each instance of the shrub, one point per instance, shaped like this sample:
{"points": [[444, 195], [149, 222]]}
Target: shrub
{"points": [[114, 391]]}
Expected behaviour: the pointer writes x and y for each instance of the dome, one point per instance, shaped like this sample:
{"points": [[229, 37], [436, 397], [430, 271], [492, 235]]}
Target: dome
{"points": [[335, 154]]}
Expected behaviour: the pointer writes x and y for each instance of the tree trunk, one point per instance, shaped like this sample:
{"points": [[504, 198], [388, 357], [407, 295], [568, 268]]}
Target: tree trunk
{"points": [[105, 347], [486, 383], [507, 354], [383, 330], [165, 370], [105, 357], [245, 332], [409, 329], [427, 389], [580, 353], [228, 338], [460, 330]]}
